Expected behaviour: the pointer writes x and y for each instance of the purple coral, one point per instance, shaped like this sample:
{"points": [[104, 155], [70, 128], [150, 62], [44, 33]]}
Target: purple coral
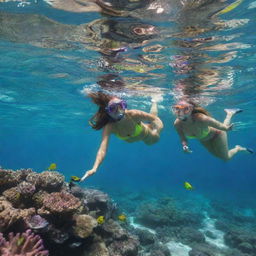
{"points": [[23, 244], [36, 222]]}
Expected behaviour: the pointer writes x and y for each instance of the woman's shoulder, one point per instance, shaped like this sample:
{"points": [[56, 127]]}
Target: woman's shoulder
{"points": [[200, 117], [177, 123]]}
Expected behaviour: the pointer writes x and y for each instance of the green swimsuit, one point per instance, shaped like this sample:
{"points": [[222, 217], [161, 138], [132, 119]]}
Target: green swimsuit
{"points": [[137, 131], [204, 134]]}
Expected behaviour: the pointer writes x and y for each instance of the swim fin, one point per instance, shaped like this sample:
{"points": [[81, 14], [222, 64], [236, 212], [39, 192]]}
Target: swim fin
{"points": [[250, 150], [233, 110]]}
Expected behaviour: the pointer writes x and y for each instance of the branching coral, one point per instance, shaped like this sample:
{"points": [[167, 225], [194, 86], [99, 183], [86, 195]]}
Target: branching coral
{"points": [[25, 244]]}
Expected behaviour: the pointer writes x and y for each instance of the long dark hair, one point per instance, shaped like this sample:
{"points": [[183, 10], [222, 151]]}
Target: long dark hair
{"points": [[101, 118], [198, 109]]}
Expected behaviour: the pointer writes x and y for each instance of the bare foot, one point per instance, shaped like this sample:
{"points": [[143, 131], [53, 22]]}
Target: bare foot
{"points": [[248, 150], [156, 98]]}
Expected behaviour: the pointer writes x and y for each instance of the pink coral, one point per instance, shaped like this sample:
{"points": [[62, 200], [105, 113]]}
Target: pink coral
{"points": [[25, 244]]}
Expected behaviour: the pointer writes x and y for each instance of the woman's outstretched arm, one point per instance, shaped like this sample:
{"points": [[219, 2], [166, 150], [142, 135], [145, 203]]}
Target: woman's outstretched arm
{"points": [[101, 152], [182, 136]]}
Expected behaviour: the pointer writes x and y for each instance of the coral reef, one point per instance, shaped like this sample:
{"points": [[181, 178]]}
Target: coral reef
{"points": [[10, 215], [71, 220], [36, 222], [61, 203], [26, 188], [50, 180], [84, 225], [165, 213], [25, 244], [63, 216]]}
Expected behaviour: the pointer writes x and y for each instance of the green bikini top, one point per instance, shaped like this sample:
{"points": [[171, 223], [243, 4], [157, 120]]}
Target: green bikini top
{"points": [[203, 135], [137, 131]]}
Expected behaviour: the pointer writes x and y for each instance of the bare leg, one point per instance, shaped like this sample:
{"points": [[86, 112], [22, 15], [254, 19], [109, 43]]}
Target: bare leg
{"points": [[155, 127], [155, 98], [154, 109], [218, 146]]}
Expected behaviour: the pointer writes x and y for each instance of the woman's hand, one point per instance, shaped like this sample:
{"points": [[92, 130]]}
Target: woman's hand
{"points": [[186, 149], [87, 174]]}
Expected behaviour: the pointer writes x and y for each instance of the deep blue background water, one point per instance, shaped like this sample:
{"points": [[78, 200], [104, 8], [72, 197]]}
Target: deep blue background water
{"points": [[44, 118]]}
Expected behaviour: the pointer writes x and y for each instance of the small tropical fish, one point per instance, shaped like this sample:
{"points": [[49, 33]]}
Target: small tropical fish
{"points": [[20, 241], [101, 219], [75, 178], [52, 167], [122, 217], [187, 185]]}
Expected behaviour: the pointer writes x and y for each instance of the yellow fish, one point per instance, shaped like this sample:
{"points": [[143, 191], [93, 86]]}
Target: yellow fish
{"points": [[20, 241], [187, 185], [230, 7], [52, 167], [122, 217], [101, 219], [75, 178]]}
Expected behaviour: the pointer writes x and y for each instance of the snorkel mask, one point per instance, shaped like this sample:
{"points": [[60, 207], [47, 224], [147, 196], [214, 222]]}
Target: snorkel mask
{"points": [[116, 110], [182, 110]]}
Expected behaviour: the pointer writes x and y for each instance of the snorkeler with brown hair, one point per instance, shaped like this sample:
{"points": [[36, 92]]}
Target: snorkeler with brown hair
{"points": [[194, 122], [130, 125]]}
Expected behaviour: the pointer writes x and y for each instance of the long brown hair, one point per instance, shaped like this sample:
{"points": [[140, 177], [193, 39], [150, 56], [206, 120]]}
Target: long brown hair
{"points": [[101, 118], [198, 109]]}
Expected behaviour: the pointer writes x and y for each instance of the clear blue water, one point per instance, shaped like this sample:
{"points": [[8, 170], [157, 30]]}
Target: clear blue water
{"points": [[47, 60]]}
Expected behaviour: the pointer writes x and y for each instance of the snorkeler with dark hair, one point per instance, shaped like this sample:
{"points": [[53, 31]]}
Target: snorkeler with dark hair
{"points": [[194, 122], [130, 125]]}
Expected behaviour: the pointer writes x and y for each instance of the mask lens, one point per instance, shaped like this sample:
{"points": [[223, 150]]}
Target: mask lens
{"points": [[178, 108], [112, 108]]}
